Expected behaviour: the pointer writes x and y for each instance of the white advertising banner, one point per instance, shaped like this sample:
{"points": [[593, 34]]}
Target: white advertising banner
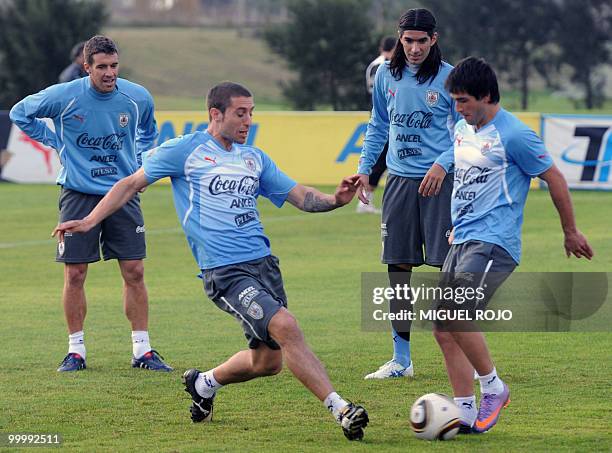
{"points": [[28, 161], [581, 146]]}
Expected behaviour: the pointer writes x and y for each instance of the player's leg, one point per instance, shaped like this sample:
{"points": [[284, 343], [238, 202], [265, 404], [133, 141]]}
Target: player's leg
{"points": [[300, 359], [242, 366], [76, 252], [460, 374], [75, 310], [73, 296], [402, 249], [489, 265], [123, 239], [135, 297], [459, 369], [309, 370], [253, 293]]}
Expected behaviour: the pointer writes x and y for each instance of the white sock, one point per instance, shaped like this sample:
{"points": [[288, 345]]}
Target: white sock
{"points": [[76, 343], [206, 384], [140, 343], [334, 403], [469, 411], [491, 383]]}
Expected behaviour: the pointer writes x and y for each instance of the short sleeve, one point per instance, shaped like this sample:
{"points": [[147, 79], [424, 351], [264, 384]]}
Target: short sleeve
{"points": [[273, 183], [166, 160], [527, 149]]}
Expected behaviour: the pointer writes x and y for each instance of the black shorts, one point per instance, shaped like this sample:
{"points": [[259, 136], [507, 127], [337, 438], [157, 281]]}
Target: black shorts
{"points": [[121, 235], [411, 222], [252, 292]]}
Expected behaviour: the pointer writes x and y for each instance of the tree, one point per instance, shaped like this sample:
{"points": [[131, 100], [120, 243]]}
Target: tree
{"points": [[584, 38], [36, 37], [513, 35], [329, 44]]}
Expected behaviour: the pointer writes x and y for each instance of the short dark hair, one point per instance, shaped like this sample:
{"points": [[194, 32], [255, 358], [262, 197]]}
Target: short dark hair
{"points": [[387, 43], [220, 96], [475, 77], [99, 44], [77, 50]]}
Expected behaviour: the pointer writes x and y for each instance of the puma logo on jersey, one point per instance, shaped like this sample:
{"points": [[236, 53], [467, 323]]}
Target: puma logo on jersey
{"points": [[210, 159]]}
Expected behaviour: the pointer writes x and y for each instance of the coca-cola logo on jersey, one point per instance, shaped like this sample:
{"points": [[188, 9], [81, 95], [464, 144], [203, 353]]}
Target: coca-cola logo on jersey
{"points": [[112, 142], [473, 175], [247, 185], [417, 119]]}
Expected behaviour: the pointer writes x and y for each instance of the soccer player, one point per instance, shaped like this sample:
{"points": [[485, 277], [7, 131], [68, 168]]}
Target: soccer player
{"points": [[387, 44], [413, 112], [102, 125], [495, 158], [216, 180]]}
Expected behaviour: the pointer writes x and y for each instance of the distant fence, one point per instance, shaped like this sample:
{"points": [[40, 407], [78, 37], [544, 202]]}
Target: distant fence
{"points": [[322, 147]]}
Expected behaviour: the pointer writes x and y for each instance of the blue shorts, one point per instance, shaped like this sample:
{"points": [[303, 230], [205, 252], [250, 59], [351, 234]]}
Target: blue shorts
{"points": [[252, 292], [474, 270]]}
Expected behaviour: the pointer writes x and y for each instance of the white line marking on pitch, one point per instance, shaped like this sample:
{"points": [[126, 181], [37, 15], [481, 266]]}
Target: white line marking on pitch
{"points": [[162, 231]]}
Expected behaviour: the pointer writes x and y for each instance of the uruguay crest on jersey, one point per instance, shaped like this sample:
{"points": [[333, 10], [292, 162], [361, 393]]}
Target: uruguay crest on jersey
{"points": [[124, 119], [432, 97]]}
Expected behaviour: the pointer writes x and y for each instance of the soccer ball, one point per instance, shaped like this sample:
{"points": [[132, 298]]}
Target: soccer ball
{"points": [[435, 417]]}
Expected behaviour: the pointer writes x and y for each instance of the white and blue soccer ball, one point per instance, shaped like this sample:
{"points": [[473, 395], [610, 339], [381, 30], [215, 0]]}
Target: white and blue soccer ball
{"points": [[435, 417]]}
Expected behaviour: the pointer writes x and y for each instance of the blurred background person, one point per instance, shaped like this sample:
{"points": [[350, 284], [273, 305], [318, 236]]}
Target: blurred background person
{"points": [[74, 70]]}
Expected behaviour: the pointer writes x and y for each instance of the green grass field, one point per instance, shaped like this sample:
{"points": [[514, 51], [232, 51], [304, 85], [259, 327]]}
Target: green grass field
{"points": [[560, 381], [180, 65]]}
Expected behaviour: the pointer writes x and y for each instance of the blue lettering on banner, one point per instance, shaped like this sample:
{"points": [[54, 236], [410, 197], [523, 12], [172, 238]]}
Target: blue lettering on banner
{"points": [[103, 171], [352, 146], [167, 132], [596, 147]]}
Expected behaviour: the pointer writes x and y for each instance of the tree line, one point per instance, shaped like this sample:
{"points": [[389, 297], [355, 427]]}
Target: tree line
{"points": [[328, 43]]}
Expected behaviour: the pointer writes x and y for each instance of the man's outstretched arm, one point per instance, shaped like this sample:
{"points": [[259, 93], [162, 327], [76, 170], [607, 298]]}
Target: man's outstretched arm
{"points": [[122, 192], [310, 199], [574, 242]]}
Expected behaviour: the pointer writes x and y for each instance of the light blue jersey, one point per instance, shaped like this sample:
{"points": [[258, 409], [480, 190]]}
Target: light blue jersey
{"points": [[416, 119], [215, 195], [99, 137], [493, 170]]}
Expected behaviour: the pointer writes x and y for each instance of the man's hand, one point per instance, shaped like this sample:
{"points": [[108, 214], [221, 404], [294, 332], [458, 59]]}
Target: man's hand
{"points": [[347, 189], [576, 244], [364, 182], [71, 226], [432, 182], [451, 236]]}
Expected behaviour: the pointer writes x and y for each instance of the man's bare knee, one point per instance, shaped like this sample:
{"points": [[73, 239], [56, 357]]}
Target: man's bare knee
{"points": [[444, 339], [132, 272], [268, 368], [266, 361], [75, 274], [284, 329]]}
